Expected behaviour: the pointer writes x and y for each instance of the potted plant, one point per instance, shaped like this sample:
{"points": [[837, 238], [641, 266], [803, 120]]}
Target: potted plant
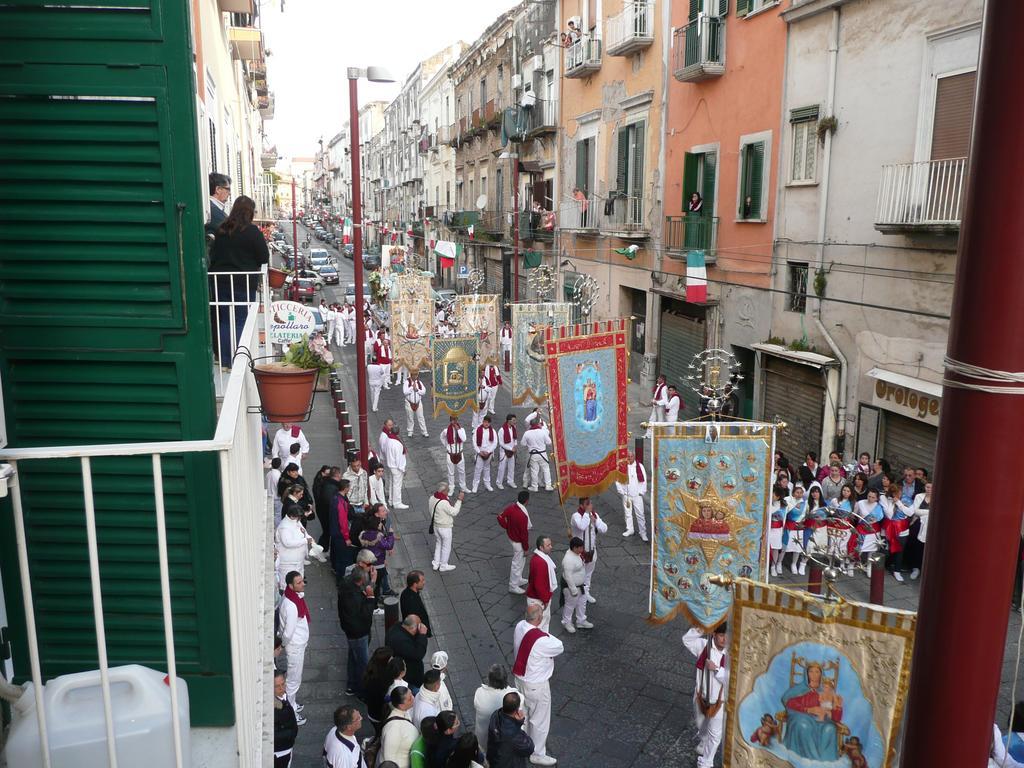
{"points": [[286, 386], [276, 277]]}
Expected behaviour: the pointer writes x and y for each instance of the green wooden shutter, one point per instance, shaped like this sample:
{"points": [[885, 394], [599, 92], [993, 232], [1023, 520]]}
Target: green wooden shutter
{"points": [[581, 165], [744, 173], [755, 179], [708, 182], [104, 335], [741, 7], [622, 161], [691, 163], [723, 7], [639, 131], [695, 6]]}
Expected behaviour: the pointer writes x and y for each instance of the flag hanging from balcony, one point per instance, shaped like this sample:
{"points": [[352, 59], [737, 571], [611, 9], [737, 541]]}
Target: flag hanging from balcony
{"points": [[448, 251], [696, 278], [587, 372], [629, 252], [470, 229]]}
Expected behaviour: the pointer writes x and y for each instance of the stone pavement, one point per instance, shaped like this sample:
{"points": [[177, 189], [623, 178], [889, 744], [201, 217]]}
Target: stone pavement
{"points": [[621, 692]]}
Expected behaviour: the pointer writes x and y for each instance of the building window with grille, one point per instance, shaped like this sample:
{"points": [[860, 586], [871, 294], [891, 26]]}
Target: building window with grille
{"points": [[755, 171], [803, 124], [213, 147], [797, 289]]}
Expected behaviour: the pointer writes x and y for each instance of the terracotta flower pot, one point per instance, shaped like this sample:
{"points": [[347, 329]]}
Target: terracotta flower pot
{"points": [[286, 391], [276, 277]]}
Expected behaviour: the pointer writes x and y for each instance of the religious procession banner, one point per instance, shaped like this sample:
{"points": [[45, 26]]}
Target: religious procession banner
{"points": [[412, 321], [456, 373], [587, 373], [529, 326], [711, 485], [814, 683], [478, 315]]}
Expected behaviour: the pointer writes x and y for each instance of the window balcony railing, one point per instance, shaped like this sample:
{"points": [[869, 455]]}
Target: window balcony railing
{"points": [[443, 136], [691, 233], [541, 117], [698, 50], [630, 30], [579, 213], [925, 196], [248, 542], [583, 57], [231, 295], [536, 225], [624, 214]]}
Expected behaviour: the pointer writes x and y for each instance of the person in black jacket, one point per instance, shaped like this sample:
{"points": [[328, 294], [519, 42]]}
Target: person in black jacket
{"points": [[355, 614], [286, 728], [411, 601], [239, 246], [508, 745], [291, 478], [324, 498], [409, 642]]}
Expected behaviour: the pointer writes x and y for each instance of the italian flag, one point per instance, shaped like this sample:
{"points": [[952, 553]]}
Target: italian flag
{"points": [[448, 251], [696, 278]]}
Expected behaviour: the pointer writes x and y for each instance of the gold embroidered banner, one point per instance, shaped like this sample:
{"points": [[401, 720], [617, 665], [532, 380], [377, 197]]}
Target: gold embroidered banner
{"points": [[529, 324], [412, 321], [455, 373], [477, 315], [814, 683]]}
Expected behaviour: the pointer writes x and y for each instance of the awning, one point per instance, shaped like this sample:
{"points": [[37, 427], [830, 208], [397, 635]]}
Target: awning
{"points": [[908, 382], [812, 359], [530, 166]]}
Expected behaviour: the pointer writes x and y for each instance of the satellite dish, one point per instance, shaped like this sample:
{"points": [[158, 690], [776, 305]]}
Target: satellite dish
{"points": [[481, 202]]}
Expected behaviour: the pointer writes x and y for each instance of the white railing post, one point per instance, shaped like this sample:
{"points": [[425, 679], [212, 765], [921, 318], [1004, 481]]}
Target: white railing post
{"points": [[925, 193]]}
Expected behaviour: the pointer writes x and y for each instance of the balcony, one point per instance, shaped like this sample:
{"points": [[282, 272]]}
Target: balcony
{"points": [[541, 118], [698, 50], [579, 214], [268, 159], [235, 6], [443, 136], [623, 215], [536, 225], [425, 143], [246, 43], [691, 233], [460, 220], [925, 196], [583, 57], [265, 104], [630, 30]]}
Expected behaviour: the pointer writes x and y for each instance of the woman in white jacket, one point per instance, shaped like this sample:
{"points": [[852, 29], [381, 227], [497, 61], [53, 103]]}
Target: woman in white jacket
{"points": [[292, 544], [398, 734], [913, 557], [442, 517]]}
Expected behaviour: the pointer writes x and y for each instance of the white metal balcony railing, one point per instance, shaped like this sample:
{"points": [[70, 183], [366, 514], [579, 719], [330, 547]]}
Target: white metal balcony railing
{"points": [[579, 213], [583, 57], [926, 195], [624, 213], [631, 29], [247, 525], [231, 295]]}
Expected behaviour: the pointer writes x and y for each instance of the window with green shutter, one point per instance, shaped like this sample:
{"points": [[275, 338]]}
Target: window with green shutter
{"points": [[752, 181], [629, 159], [636, 187], [691, 169], [584, 164], [622, 161], [742, 7]]}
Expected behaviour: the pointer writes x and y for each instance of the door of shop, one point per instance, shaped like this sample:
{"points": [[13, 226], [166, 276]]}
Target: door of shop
{"points": [[794, 393], [683, 335], [907, 442]]}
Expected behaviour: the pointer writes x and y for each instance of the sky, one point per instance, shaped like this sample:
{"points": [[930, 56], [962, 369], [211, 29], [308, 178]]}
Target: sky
{"points": [[312, 42]]}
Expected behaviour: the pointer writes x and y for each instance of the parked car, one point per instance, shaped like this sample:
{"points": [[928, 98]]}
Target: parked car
{"points": [[306, 291], [371, 261], [329, 274], [348, 250], [279, 237], [350, 292], [305, 274]]}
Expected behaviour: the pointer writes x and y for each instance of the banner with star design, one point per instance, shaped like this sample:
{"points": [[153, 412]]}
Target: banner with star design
{"points": [[412, 321], [711, 488]]}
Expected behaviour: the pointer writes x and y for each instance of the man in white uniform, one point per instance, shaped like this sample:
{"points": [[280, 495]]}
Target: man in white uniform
{"points": [[537, 441], [491, 380], [534, 651], [283, 439], [327, 316], [508, 441], [505, 341], [481, 404], [709, 691], [673, 404], [369, 339], [659, 399], [395, 458], [453, 438], [632, 492], [414, 392], [375, 376], [341, 747], [339, 325], [293, 615], [586, 524], [574, 574], [485, 441]]}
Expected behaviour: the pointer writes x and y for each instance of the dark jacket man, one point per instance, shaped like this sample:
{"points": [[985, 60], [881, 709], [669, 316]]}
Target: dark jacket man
{"points": [[355, 609], [508, 745], [411, 601], [409, 641]]}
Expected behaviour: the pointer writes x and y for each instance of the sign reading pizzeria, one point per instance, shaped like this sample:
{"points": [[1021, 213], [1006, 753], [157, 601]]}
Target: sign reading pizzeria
{"points": [[290, 321]]}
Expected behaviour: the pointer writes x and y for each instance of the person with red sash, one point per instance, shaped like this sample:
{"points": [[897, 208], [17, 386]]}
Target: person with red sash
{"points": [[710, 690], [515, 519], [453, 438], [542, 582], [284, 438], [508, 441], [659, 399], [414, 392], [382, 356], [537, 441], [632, 492], [293, 615], [534, 651], [485, 441], [586, 524], [491, 380], [369, 339]]}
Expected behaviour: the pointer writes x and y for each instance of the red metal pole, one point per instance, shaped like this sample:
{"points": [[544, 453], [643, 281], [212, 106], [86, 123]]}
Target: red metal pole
{"points": [[515, 224], [357, 261], [295, 247], [963, 617], [814, 578], [876, 594]]}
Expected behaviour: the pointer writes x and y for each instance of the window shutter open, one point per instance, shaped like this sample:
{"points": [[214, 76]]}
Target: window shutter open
{"points": [[754, 167], [742, 6], [690, 162], [723, 7], [694, 9], [708, 182], [581, 165], [622, 161], [639, 129]]}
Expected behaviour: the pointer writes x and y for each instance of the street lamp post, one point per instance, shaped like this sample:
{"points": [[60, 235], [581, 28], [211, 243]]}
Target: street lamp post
{"points": [[295, 247], [374, 75]]}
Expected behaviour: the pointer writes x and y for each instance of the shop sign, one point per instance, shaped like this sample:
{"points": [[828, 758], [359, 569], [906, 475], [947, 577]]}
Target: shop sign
{"points": [[290, 321], [907, 402]]}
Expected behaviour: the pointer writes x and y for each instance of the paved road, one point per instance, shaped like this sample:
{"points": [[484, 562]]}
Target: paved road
{"points": [[621, 692]]}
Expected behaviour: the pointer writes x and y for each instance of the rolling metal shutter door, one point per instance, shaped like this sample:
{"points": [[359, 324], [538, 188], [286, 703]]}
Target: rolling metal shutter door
{"points": [[796, 394], [682, 337], [908, 442], [493, 271]]}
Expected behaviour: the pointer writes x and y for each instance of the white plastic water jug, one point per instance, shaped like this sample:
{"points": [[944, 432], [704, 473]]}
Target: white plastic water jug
{"points": [[141, 704]]}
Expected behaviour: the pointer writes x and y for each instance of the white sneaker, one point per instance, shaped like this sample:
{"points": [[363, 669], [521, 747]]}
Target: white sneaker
{"points": [[517, 590], [792, 567], [378, 611], [803, 569], [488, 489], [299, 719], [543, 760], [645, 540], [548, 488], [400, 506], [591, 598], [469, 490], [915, 573], [569, 628], [408, 434], [584, 624], [897, 575], [626, 533], [445, 568], [433, 564], [532, 488], [299, 707], [500, 486], [512, 485]]}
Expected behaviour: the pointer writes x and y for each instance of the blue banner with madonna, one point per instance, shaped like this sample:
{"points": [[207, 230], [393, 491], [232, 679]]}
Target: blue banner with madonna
{"points": [[456, 373], [711, 491]]}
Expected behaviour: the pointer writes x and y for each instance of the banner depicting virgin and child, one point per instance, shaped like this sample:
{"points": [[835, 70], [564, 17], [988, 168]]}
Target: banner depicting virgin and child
{"points": [[814, 683], [711, 484]]}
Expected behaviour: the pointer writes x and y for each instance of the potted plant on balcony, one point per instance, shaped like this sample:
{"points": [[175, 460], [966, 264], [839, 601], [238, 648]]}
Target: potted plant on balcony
{"points": [[286, 386]]}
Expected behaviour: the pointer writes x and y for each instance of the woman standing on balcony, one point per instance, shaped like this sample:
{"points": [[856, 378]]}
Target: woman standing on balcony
{"points": [[696, 205], [239, 246]]}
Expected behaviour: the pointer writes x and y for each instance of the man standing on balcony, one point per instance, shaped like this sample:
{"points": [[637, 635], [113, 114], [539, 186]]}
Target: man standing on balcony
{"points": [[293, 615]]}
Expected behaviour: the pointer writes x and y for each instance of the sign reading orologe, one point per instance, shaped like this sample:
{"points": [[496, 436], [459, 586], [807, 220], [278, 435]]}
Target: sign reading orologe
{"points": [[290, 321], [909, 402]]}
